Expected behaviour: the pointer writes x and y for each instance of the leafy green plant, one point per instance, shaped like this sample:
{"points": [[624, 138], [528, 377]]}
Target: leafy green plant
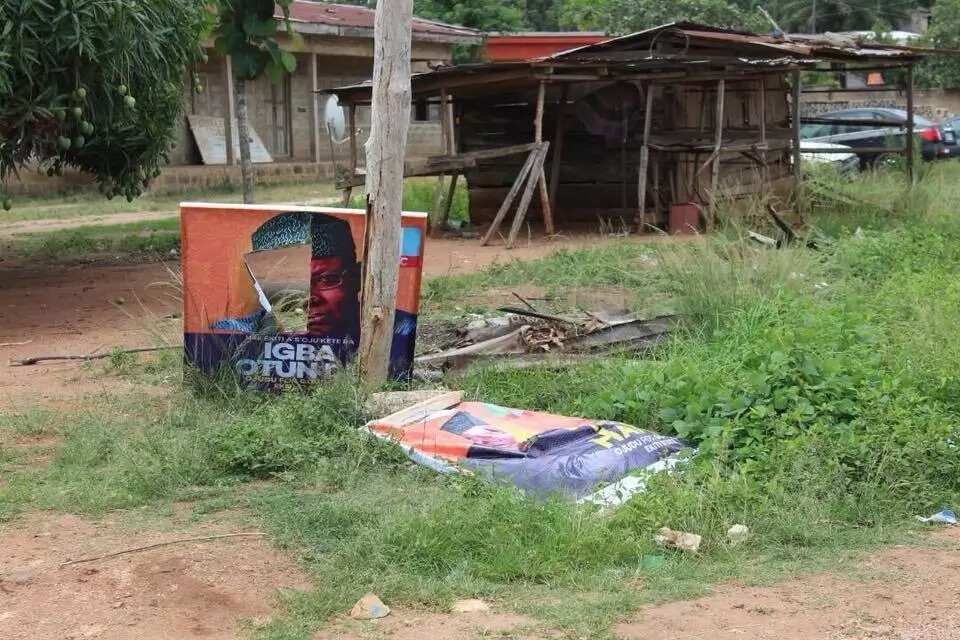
{"points": [[95, 85], [246, 31]]}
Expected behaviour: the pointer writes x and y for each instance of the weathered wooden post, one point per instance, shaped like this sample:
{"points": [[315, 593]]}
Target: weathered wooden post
{"points": [[909, 150], [796, 91], [389, 121]]}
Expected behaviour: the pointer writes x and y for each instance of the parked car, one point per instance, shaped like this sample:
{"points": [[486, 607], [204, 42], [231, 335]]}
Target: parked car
{"points": [[951, 144], [840, 156], [861, 133]]}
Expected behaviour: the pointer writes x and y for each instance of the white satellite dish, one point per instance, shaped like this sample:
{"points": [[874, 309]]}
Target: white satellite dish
{"points": [[334, 119]]}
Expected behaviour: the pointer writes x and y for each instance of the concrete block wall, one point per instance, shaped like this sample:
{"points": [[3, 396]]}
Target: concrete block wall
{"points": [[933, 104]]}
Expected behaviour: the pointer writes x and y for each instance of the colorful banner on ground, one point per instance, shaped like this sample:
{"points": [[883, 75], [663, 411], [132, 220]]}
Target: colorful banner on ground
{"points": [[273, 292], [587, 460]]}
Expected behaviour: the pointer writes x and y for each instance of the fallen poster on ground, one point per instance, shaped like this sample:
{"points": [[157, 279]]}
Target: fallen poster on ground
{"points": [[273, 292], [595, 461]]}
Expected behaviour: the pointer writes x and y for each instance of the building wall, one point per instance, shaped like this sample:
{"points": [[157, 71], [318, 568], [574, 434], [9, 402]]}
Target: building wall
{"points": [[933, 104], [333, 71]]}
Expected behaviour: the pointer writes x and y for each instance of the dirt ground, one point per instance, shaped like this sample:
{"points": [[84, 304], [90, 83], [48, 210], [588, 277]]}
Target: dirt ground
{"points": [[903, 593], [184, 591]]}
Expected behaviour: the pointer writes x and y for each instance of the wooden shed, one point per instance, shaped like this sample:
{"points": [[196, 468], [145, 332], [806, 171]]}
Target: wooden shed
{"points": [[621, 130]]}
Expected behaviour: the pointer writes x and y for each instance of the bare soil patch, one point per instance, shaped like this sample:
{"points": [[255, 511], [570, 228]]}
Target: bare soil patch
{"points": [[903, 593], [191, 590]]}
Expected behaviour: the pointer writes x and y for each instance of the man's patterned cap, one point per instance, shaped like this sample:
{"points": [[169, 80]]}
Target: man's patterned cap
{"points": [[329, 236]]}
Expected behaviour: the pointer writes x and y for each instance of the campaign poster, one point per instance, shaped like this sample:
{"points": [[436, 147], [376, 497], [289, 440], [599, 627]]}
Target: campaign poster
{"points": [[598, 461], [272, 292]]}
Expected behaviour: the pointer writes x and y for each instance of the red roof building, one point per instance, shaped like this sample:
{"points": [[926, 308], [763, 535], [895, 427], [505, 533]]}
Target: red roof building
{"points": [[514, 47]]}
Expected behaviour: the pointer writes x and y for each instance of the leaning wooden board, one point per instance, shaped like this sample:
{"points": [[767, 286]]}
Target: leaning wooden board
{"points": [[208, 132]]}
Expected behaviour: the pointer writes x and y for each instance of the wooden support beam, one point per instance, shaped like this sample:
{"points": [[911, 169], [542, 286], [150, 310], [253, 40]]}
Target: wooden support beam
{"points": [[764, 166], [910, 155], [557, 142], [511, 195], [718, 145], [795, 121], [315, 111], [487, 154], [451, 126], [536, 174], [352, 123], [448, 201], [641, 220], [541, 176], [446, 132], [231, 108]]}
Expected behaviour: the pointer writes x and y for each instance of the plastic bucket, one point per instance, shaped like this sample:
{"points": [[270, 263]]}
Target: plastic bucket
{"points": [[684, 218]]}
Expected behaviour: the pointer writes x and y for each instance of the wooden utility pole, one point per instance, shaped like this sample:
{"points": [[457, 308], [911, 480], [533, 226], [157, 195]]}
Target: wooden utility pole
{"points": [[389, 121]]}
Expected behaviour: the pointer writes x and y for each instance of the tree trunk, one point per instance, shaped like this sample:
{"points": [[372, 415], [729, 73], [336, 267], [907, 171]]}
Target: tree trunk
{"points": [[243, 132], [389, 121]]}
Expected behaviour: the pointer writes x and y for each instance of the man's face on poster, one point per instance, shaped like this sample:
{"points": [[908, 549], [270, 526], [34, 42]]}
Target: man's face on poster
{"points": [[333, 296]]}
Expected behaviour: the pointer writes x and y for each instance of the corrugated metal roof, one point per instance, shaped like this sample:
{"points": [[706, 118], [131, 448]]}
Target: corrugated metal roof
{"points": [[354, 17], [682, 46], [827, 46]]}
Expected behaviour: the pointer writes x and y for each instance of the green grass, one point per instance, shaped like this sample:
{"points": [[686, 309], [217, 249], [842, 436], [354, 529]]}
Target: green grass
{"points": [[152, 238], [419, 195], [81, 204], [820, 386]]}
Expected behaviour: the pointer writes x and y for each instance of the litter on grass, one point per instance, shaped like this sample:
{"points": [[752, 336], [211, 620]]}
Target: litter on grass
{"points": [[946, 516], [538, 452]]}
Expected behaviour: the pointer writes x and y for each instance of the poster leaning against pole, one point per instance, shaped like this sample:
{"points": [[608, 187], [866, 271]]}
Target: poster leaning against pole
{"points": [[272, 292]]}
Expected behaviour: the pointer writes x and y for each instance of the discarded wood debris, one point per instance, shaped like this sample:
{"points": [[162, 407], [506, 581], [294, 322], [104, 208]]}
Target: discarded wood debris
{"points": [[529, 338]]}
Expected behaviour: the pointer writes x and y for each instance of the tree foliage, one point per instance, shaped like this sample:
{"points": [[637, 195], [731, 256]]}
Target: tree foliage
{"points": [[625, 16], [485, 15], [246, 30], [95, 85], [942, 71], [839, 15]]}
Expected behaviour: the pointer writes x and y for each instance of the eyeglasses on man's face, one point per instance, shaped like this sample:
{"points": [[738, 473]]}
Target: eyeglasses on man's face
{"points": [[328, 279]]}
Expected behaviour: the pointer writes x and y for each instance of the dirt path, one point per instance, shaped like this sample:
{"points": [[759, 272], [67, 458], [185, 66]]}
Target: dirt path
{"points": [[182, 592], [903, 593]]}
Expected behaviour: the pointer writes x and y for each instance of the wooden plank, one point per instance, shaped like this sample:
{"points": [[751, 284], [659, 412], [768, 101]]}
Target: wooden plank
{"points": [[438, 191], [448, 200], [352, 123], [389, 122], [715, 179], [644, 160], [315, 111], [505, 205], [486, 154], [795, 121], [421, 410], [541, 177], [211, 138], [765, 168], [559, 134], [445, 138], [231, 109], [535, 172], [451, 127], [911, 161]]}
